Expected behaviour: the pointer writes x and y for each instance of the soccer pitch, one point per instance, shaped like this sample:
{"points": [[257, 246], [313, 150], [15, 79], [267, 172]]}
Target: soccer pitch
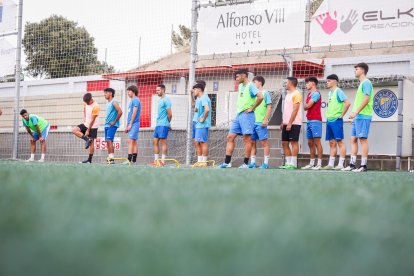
{"points": [[69, 219]]}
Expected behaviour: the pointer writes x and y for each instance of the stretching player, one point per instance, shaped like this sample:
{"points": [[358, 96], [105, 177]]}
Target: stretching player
{"points": [[338, 105], [113, 114], [203, 109], [249, 97], [38, 129], [262, 114], [361, 116], [292, 122], [163, 126], [314, 123], [134, 112], [88, 130]]}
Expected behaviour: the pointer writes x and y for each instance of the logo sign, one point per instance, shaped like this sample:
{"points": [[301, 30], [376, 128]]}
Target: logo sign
{"points": [[339, 22], [100, 143], [256, 26], [215, 86], [385, 103]]}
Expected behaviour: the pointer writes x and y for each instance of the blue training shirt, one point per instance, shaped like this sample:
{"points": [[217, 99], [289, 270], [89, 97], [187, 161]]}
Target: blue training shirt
{"points": [[111, 113], [162, 118], [204, 100], [135, 102], [366, 90]]}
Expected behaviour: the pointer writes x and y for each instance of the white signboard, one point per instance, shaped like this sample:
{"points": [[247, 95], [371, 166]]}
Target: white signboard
{"points": [[7, 58], [339, 22], [100, 143], [8, 12], [256, 26]]}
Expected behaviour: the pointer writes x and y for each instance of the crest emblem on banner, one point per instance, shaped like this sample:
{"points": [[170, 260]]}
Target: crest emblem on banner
{"points": [[385, 103]]}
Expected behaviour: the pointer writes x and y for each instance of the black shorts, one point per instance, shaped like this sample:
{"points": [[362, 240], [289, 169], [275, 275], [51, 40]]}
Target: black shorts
{"points": [[93, 132], [292, 135]]}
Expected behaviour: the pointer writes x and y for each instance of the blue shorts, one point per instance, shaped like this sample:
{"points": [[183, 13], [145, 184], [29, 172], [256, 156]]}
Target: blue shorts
{"points": [[201, 135], [110, 133], [133, 132], [260, 133], [45, 132], [360, 128], [161, 132], [314, 130], [243, 124], [335, 130], [194, 129]]}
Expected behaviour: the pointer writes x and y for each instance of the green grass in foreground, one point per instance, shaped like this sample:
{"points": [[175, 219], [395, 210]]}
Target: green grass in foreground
{"points": [[67, 219]]}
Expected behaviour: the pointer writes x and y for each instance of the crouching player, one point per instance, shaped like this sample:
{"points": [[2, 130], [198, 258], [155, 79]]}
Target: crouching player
{"points": [[38, 129], [262, 114], [203, 109]]}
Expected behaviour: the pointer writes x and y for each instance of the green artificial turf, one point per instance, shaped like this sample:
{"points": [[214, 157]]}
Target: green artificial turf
{"points": [[69, 219]]}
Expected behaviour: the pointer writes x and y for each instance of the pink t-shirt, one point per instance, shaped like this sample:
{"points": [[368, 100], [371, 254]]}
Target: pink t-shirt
{"points": [[291, 99], [91, 109]]}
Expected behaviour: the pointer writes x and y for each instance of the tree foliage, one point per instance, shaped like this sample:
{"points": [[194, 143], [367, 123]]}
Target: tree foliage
{"points": [[182, 38], [57, 47]]}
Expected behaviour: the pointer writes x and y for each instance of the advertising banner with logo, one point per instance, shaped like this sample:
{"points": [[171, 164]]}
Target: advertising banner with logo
{"points": [[385, 103], [7, 58], [8, 13], [251, 27], [339, 22]]}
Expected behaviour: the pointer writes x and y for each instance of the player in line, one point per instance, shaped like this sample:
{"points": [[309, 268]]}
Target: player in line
{"points": [[249, 97], [88, 130], [162, 127], [195, 120], [338, 105], [361, 117], [133, 123], [203, 109], [314, 123], [113, 114], [292, 122], [38, 129], [262, 114]]}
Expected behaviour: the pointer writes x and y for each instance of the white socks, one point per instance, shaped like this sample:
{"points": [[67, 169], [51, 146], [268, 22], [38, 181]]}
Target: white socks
{"points": [[320, 162], [331, 161], [199, 158], [32, 156], [111, 156], [204, 158], [288, 160], [252, 159], [341, 161], [162, 156], [364, 161], [312, 162], [156, 157], [42, 156], [353, 159], [266, 160], [294, 160]]}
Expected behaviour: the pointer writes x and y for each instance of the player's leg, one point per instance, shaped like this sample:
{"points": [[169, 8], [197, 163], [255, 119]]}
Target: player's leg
{"points": [[311, 145], [164, 148], [354, 147], [235, 130], [198, 151], [266, 151], [254, 138], [363, 126], [93, 134], [247, 124], [294, 141], [286, 148], [79, 131], [32, 147], [45, 133], [342, 154], [109, 139], [333, 149], [319, 149]]}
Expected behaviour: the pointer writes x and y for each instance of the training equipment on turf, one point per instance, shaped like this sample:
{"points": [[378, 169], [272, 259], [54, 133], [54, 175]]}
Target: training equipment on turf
{"points": [[203, 164], [111, 161], [166, 163]]}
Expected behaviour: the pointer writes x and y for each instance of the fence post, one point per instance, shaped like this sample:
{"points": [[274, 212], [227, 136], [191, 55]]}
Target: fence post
{"points": [[400, 125], [17, 81], [191, 76]]}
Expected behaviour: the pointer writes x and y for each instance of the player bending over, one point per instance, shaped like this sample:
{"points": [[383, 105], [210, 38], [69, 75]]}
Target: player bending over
{"points": [[38, 129]]}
